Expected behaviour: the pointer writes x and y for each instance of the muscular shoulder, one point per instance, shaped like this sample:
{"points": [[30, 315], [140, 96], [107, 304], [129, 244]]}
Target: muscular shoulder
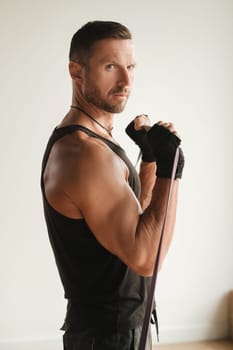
{"points": [[83, 154], [97, 163], [73, 151], [78, 162]]}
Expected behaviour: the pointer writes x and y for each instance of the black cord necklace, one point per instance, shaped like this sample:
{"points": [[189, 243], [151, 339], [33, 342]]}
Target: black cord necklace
{"points": [[94, 120]]}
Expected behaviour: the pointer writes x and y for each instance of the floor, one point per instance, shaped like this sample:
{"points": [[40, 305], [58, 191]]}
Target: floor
{"points": [[212, 345]]}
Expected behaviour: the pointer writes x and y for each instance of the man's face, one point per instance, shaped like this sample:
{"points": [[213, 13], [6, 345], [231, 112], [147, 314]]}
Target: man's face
{"points": [[109, 75]]}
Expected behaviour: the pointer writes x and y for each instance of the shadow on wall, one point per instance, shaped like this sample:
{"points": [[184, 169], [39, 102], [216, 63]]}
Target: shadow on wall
{"points": [[230, 315], [223, 316]]}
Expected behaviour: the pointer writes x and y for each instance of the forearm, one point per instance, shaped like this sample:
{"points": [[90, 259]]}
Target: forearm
{"points": [[149, 229], [147, 179]]}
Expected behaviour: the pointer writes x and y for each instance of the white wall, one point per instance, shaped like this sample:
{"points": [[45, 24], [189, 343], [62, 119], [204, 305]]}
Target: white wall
{"points": [[185, 55]]}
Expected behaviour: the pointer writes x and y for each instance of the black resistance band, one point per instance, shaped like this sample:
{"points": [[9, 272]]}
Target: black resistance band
{"points": [[150, 300]]}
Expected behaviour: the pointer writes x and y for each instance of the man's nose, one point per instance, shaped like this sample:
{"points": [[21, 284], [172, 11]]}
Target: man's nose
{"points": [[125, 78]]}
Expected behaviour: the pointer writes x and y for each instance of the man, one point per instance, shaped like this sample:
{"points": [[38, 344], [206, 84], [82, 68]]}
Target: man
{"points": [[104, 224]]}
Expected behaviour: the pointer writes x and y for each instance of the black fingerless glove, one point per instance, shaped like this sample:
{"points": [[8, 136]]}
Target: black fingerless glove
{"points": [[163, 145], [139, 137]]}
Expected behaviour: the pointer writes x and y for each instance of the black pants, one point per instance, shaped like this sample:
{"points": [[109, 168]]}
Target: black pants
{"points": [[128, 340]]}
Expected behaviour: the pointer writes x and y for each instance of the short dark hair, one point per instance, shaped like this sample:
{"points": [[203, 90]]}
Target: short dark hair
{"points": [[84, 39]]}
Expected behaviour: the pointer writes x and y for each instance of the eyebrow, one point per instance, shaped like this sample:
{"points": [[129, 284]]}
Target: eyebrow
{"points": [[106, 60]]}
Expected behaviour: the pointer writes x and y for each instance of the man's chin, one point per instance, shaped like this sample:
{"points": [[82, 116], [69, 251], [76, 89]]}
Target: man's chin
{"points": [[116, 108]]}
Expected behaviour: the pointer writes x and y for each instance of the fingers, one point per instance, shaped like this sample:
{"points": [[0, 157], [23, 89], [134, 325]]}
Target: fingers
{"points": [[141, 121], [169, 126]]}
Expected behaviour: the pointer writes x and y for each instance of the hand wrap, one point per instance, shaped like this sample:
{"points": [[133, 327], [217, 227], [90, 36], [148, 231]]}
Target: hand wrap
{"points": [[163, 144], [139, 137]]}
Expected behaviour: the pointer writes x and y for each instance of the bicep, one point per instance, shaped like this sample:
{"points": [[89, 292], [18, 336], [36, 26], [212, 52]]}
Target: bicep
{"points": [[109, 206]]}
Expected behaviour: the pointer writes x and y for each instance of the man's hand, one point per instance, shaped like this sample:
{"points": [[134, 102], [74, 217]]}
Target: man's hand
{"points": [[137, 130], [163, 141]]}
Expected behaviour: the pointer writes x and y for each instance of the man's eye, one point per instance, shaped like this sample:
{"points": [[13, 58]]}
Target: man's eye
{"points": [[110, 66], [131, 67]]}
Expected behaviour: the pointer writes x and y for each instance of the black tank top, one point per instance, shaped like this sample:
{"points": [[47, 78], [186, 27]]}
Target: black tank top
{"points": [[102, 292]]}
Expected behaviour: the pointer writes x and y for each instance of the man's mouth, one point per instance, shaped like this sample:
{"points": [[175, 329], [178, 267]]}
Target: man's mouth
{"points": [[124, 93]]}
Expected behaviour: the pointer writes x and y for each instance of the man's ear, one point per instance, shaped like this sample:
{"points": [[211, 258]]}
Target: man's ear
{"points": [[76, 70]]}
